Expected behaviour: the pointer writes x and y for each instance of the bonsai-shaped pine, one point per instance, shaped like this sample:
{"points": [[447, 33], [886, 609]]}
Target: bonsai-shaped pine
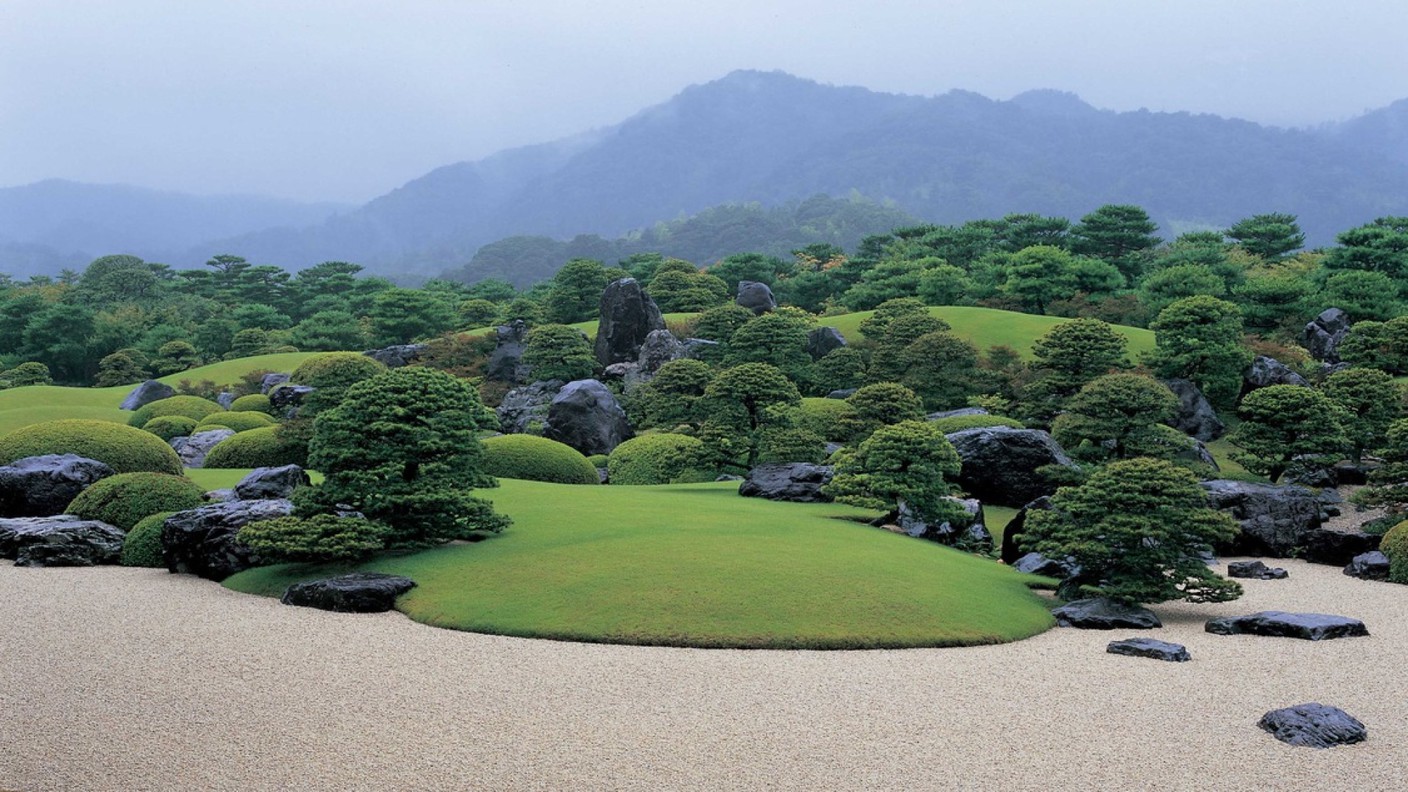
{"points": [[881, 404], [400, 448], [1369, 399], [1388, 483], [739, 404], [559, 352], [1067, 357], [905, 466], [1135, 529], [1287, 427], [1200, 339], [1116, 416]]}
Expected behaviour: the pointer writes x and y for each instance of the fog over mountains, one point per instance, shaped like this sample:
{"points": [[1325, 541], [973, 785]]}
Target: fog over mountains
{"points": [[769, 138]]}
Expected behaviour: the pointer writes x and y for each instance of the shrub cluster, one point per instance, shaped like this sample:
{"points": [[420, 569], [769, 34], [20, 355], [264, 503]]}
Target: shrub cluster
{"points": [[142, 547], [829, 419], [1395, 546], [124, 448], [254, 402], [238, 421], [169, 426], [262, 447], [190, 406], [322, 537], [531, 458], [123, 500], [654, 459]]}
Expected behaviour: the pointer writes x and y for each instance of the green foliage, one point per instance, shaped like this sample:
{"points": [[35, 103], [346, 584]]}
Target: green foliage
{"points": [[1171, 284], [1135, 528], [719, 324], [142, 547], [322, 537], [669, 398], [1395, 546], [1362, 295], [746, 398], [559, 352], [945, 284], [263, 447], [942, 369], [1287, 427], [1200, 339], [839, 369], [1117, 233], [332, 373], [253, 402], [330, 331], [123, 500], [31, 373], [175, 355], [1274, 300], [1380, 345], [829, 419], [125, 449], [188, 406], [788, 443], [1068, 356], [119, 368], [400, 316], [1388, 483], [901, 466], [238, 421], [881, 404], [1379, 246], [1369, 400], [654, 459], [531, 458], [169, 426], [888, 361], [677, 286], [1040, 275], [575, 295], [778, 338], [1116, 416], [957, 423], [877, 324], [1270, 236]]}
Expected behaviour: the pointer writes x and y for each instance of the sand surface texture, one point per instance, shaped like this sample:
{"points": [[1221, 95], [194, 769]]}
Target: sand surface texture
{"points": [[135, 679]]}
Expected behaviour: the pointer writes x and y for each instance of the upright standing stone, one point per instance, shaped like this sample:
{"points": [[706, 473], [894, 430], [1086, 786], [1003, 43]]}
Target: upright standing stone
{"points": [[628, 315]]}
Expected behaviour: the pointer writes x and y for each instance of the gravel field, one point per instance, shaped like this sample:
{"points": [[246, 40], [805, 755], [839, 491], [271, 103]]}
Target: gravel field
{"points": [[123, 679]]}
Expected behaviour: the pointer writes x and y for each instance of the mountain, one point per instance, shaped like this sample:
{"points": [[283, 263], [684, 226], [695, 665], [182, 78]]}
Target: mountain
{"points": [[1384, 132]]}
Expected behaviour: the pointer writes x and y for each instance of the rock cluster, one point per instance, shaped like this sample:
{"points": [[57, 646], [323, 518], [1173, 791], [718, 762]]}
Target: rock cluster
{"points": [[41, 486], [800, 482]]}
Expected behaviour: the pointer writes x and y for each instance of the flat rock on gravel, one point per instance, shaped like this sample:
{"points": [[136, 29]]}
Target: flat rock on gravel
{"points": [[358, 592], [1098, 613], [1314, 725], [1278, 624], [1151, 648], [63, 540], [1255, 570]]}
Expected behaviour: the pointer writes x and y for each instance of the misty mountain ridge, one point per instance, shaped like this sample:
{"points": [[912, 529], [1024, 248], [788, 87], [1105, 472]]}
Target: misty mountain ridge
{"points": [[774, 139]]}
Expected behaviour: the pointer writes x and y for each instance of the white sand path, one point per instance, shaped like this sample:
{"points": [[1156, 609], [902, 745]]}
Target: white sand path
{"points": [[135, 679]]}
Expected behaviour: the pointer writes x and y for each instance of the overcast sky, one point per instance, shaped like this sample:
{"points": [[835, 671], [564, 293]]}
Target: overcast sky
{"points": [[346, 99]]}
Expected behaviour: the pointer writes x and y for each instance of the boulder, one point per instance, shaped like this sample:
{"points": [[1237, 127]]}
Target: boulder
{"points": [[202, 541], [146, 393], [628, 316], [1275, 520], [1322, 336], [1255, 570], [1195, 416], [505, 363], [1279, 624], [271, 482], [194, 449], [1149, 647], [527, 407], [842, 393], [1010, 549], [358, 592], [969, 534], [63, 540], [1265, 372], [220, 496], [800, 482], [225, 399], [1368, 566], [756, 297], [960, 412], [1098, 613], [40, 486], [659, 348], [586, 416], [272, 381], [1314, 725], [1000, 463], [286, 396], [1337, 548], [1038, 564], [619, 371], [397, 355], [699, 348], [822, 341]]}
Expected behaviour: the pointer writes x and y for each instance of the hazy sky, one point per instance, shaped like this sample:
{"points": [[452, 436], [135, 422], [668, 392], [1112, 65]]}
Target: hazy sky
{"points": [[346, 99]]}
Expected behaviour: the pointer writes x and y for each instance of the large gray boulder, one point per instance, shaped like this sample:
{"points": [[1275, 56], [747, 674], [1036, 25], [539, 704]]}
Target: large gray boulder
{"points": [[1337, 548], [397, 355], [271, 381], [267, 483], [203, 542], [586, 416], [1265, 372], [1314, 725], [1195, 417], [969, 533], [756, 297], [194, 449], [1011, 535], [1000, 463], [63, 540], [1373, 565], [1323, 335], [526, 408], [505, 363], [1279, 624], [357, 592], [40, 486], [1099, 613], [628, 316], [1275, 521], [146, 393], [800, 482], [824, 340], [660, 347]]}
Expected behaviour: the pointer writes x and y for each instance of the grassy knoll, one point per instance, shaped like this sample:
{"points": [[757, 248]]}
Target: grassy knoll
{"points": [[985, 327], [696, 565]]}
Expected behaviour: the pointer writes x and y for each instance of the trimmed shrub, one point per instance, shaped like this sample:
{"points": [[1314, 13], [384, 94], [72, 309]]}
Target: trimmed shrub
{"points": [[531, 458], [142, 547], [653, 459], [169, 426], [332, 373], [239, 421], [123, 500], [262, 447], [254, 402], [826, 418], [598, 460], [1395, 546], [125, 449], [192, 407], [957, 423], [322, 537]]}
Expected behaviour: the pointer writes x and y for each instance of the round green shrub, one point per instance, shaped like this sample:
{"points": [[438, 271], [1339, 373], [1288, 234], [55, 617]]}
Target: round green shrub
{"points": [[142, 547], [825, 418], [322, 537], [531, 458], [125, 449], [653, 459], [239, 421], [957, 423], [332, 373], [261, 447], [169, 426], [123, 500], [598, 460], [254, 402], [190, 406], [1395, 546]]}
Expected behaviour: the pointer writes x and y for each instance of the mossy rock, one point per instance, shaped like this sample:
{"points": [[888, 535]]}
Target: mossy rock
{"points": [[239, 421], [123, 500], [1395, 546], [142, 547], [532, 458], [125, 449], [958, 423], [193, 407], [169, 426], [654, 459], [263, 447], [254, 402]]}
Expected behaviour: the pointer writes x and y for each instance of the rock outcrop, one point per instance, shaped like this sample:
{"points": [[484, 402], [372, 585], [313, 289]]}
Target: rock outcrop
{"points": [[1275, 521], [195, 448], [63, 540], [1324, 334], [505, 363], [397, 355], [1001, 464], [1255, 570], [1195, 416], [358, 592], [526, 408], [271, 483], [1314, 725], [800, 482], [1099, 613], [41, 486], [756, 297], [1368, 566], [823, 340], [1150, 647], [146, 393], [628, 316], [203, 542], [1279, 624], [1265, 372]]}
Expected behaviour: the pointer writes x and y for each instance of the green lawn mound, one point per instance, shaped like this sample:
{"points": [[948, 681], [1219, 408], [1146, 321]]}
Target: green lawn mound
{"points": [[986, 327], [697, 565]]}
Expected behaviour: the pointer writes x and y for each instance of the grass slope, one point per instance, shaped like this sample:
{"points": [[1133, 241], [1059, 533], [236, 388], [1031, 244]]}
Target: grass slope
{"points": [[696, 565], [985, 327]]}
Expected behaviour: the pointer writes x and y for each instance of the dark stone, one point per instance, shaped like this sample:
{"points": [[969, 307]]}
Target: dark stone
{"points": [[1149, 647], [271, 482], [628, 315], [202, 541], [358, 592], [586, 416], [1265, 372], [1000, 463], [824, 340], [1195, 417], [524, 407], [962, 411], [1098, 613], [843, 393], [220, 496], [1278, 624], [225, 399], [619, 371], [64, 540], [1314, 725], [1351, 474], [40, 486], [1038, 564], [146, 393], [272, 381], [756, 297], [505, 363], [1337, 548], [1275, 521], [659, 348], [1323, 335], [397, 355], [286, 396], [1368, 566], [194, 449], [1011, 551], [787, 481], [1255, 570], [969, 534]]}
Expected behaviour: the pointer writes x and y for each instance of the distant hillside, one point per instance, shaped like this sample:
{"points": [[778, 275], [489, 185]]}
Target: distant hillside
{"points": [[1382, 132]]}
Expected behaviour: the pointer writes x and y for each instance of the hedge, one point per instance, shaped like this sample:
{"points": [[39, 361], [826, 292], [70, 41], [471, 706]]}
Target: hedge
{"points": [[142, 547], [124, 448], [653, 459], [261, 447], [532, 458], [123, 500], [169, 426], [254, 402], [1395, 546], [957, 423], [190, 406], [239, 421]]}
